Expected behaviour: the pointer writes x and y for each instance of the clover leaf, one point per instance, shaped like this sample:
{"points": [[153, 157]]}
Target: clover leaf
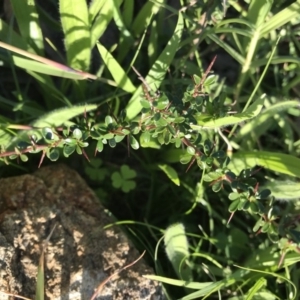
{"points": [[122, 179]]}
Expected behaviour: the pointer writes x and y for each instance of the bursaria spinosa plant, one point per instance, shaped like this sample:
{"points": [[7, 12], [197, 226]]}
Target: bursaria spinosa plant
{"points": [[164, 121]]}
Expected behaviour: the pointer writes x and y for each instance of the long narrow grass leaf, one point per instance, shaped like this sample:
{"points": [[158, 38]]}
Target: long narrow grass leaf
{"points": [[281, 18], [28, 23], [120, 77], [158, 70]]}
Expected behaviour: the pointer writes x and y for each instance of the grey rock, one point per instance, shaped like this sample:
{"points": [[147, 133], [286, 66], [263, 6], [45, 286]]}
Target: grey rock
{"points": [[80, 254]]}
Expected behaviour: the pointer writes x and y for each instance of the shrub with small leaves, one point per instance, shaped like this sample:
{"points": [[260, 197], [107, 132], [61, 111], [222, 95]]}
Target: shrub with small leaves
{"points": [[165, 122]]}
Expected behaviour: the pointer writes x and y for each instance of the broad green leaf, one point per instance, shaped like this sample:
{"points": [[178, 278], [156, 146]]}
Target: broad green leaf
{"points": [[171, 173], [133, 142], [158, 70], [251, 112], [76, 26], [177, 249], [122, 80], [277, 162], [95, 8], [284, 189]]}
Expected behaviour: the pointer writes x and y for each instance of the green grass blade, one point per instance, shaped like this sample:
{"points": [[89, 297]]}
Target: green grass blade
{"points": [[40, 287], [128, 9], [75, 23], [264, 117], [28, 23], [102, 20], [30, 65], [125, 33], [178, 282], [62, 115], [259, 284], [142, 19], [9, 36], [52, 66], [126, 39], [281, 18], [232, 52], [120, 77], [40, 282], [258, 11], [251, 112], [275, 275], [158, 70]]}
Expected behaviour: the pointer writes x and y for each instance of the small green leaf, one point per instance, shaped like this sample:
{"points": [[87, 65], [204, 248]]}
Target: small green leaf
{"points": [[112, 143], [24, 157], [254, 207], [108, 120], [171, 173], [145, 103], [185, 159], [234, 206], [133, 142], [77, 133], [68, 150], [162, 102], [211, 176], [264, 194], [233, 196], [127, 173], [145, 137], [47, 134], [117, 180], [191, 150], [216, 187], [99, 146], [78, 150], [53, 154]]}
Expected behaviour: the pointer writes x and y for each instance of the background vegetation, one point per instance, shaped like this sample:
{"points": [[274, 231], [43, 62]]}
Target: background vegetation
{"points": [[166, 204]]}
